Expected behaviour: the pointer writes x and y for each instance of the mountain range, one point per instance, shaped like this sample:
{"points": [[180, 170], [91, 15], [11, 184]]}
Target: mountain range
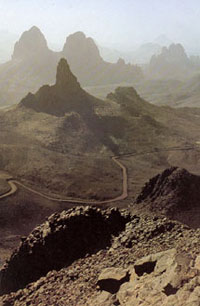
{"points": [[171, 63], [33, 64], [60, 147], [162, 81]]}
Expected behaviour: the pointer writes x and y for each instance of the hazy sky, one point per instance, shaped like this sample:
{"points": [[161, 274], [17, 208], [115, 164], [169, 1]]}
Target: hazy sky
{"points": [[120, 22]]}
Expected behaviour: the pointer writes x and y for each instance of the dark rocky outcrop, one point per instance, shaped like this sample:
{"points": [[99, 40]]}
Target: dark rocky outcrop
{"points": [[174, 192], [124, 275], [67, 96], [58, 242]]}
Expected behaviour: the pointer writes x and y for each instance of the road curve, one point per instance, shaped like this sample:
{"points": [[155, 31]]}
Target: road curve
{"points": [[13, 183], [13, 189]]}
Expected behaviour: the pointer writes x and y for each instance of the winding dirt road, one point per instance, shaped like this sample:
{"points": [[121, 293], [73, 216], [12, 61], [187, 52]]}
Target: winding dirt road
{"points": [[13, 188], [13, 183]]}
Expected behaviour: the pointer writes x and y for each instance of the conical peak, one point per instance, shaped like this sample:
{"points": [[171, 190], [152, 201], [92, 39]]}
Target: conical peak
{"points": [[64, 77], [79, 48], [78, 35], [35, 29], [65, 96], [31, 42]]}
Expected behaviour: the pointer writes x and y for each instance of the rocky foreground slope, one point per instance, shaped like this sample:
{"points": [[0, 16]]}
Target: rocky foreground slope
{"points": [[95, 257], [62, 239], [175, 193]]}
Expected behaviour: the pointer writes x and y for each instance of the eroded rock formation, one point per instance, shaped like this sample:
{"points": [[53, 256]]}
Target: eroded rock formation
{"points": [[58, 242]]}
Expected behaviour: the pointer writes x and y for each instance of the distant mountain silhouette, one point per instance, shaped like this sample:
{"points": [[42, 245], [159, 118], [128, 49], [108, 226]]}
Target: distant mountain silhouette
{"points": [[173, 62], [34, 64], [32, 43], [163, 40], [144, 53], [85, 61]]}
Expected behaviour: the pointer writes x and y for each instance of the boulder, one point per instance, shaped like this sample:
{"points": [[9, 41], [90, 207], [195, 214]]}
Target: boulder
{"points": [[165, 278], [111, 279]]}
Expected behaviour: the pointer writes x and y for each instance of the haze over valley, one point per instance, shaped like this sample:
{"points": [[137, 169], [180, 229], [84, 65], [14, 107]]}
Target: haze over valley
{"points": [[99, 154]]}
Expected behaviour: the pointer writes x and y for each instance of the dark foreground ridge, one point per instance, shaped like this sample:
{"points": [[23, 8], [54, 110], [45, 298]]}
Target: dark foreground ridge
{"points": [[58, 242], [174, 192], [133, 268]]}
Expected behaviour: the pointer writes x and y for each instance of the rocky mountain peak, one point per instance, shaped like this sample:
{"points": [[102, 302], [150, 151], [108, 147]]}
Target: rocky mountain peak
{"points": [[78, 36], [31, 43], [173, 192], [170, 180], [65, 95], [175, 52], [78, 46], [65, 80], [171, 63]]}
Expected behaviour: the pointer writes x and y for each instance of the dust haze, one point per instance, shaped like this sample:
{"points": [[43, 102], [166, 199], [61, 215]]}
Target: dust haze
{"points": [[99, 153]]}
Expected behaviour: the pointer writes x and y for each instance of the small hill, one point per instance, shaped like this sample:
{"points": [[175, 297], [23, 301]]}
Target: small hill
{"points": [[174, 192], [188, 94], [149, 126]]}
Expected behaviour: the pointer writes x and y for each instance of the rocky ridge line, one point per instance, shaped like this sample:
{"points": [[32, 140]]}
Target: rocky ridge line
{"points": [[62, 239], [77, 284], [175, 193]]}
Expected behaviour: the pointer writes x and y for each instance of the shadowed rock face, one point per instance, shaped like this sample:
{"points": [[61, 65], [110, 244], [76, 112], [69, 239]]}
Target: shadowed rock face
{"points": [[174, 192], [62, 239], [66, 95], [66, 82], [163, 284]]}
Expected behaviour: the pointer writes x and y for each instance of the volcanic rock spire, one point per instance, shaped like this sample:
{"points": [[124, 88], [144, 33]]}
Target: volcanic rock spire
{"points": [[65, 96]]}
